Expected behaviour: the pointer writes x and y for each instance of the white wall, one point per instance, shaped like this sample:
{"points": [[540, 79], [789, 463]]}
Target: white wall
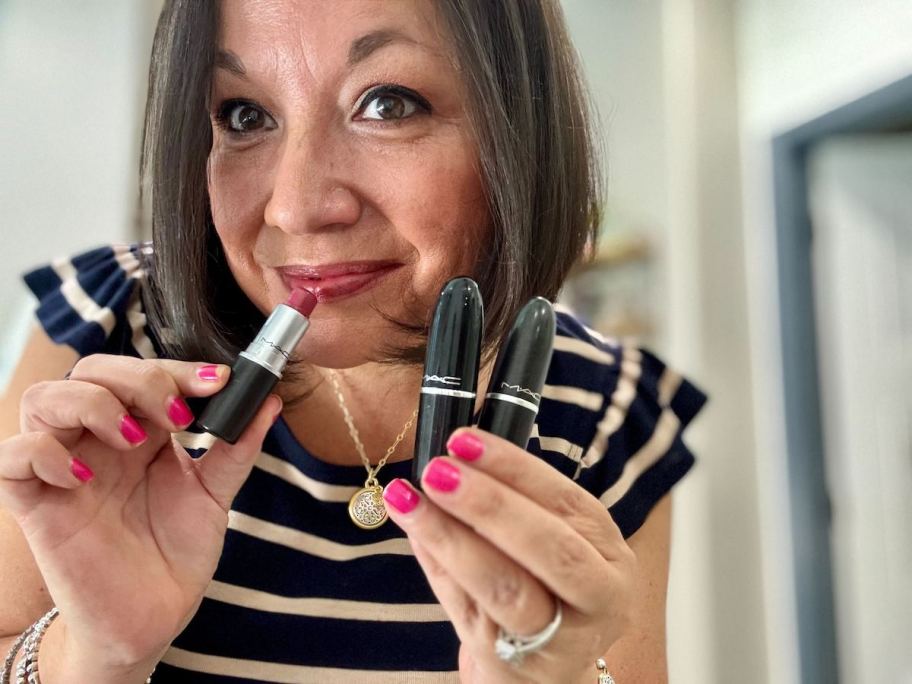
{"points": [[801, 58], [798, 59], [71, 93], [622, 56], [663, 74]]}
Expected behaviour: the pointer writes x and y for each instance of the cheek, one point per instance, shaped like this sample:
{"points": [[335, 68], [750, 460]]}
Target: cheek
{"points": [[236, 203], [237, 195], [447, 217]]}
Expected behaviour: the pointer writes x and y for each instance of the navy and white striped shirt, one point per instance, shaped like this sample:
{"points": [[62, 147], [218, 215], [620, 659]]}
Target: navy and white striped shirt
{"points": [[301, 594]]}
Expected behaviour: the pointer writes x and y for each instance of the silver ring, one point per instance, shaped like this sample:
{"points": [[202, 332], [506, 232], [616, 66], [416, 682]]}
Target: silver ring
{"points": [[512, 648]]}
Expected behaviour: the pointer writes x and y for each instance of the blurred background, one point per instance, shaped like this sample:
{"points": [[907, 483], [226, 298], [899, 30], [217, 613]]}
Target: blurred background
{"points": [[759, 238]]}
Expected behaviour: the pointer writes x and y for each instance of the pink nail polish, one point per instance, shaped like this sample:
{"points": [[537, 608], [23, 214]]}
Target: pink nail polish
{"points": [[401, 496], [179, 413], [466, 446], [131, 430], [209, 373], [441, 475], [82, 472]]}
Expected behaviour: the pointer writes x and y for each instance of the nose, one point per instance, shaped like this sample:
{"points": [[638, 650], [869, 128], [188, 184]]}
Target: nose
{"points": [[309, 190]]}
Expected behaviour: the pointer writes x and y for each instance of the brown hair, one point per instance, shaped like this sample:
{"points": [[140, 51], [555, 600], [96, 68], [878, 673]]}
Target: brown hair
{"points": [[530, 117]]}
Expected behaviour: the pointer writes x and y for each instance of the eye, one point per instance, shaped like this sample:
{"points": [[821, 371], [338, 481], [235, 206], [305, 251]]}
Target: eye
{"points": [[240, 117], [391, 102]]}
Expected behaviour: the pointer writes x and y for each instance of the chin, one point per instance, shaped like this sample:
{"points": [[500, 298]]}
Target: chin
{"points": [[335, 344]]}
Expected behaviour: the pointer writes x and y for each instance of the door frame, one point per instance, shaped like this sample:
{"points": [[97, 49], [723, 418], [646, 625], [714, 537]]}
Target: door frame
{"points": [[886, 109]]}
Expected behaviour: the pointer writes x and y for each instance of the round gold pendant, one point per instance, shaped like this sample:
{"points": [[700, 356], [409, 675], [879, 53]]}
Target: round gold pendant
{"points": [[366, 508]]}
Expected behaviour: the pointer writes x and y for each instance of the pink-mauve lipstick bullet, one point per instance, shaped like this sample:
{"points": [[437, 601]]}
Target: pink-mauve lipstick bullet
{"points": [[258, 368]]}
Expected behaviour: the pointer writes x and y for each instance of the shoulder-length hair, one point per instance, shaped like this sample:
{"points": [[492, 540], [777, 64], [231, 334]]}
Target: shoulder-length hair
{"points": [[531, 120]]}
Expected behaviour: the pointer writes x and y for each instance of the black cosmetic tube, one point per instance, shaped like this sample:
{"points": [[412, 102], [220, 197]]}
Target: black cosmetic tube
{"points": [[450, 382], [255, 373], [511, 404]]}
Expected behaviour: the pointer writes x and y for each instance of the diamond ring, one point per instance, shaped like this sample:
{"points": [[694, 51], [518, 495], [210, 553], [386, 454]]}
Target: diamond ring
{"points": [[512, 648]]}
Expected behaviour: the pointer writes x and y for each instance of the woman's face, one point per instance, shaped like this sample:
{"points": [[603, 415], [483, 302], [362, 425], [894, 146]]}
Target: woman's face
{"points": [[342, 161]]}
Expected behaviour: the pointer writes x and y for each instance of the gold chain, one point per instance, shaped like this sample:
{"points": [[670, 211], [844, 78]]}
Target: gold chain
{"points": [[353, 431]]}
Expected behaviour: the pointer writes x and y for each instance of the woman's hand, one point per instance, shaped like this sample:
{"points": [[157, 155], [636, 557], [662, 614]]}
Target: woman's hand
{"points": [[125, 527], [501, 535]]}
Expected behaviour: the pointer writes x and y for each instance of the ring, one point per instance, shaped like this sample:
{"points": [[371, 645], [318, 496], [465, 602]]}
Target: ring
{"points": [[512, 648]]}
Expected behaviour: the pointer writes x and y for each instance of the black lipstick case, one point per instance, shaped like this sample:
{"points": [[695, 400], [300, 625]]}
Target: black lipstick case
{"points": [[229, 413], [513, 397], [450, 383], [254, 374]]}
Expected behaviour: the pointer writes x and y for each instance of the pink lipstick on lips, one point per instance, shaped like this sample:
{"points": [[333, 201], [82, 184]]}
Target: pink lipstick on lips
{"points": [[258, 368], [330, 282]]}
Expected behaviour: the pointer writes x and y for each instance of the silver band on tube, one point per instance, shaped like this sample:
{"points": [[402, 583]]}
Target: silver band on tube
{"points": [[461, 394], [513, 400]]}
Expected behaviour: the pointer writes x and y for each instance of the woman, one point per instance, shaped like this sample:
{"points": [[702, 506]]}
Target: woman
{"points": [[372, 151]]}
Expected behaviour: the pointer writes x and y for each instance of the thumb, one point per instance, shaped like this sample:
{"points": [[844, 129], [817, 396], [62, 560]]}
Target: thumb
{"points": [[225, 467]]}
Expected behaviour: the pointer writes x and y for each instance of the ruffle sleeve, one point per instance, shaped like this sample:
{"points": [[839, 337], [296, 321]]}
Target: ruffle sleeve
{"points": [[638, 450], [613, 417], [92, 302]]}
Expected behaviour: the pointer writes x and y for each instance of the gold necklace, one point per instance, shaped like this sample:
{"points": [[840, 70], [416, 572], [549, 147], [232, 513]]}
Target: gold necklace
{"points": [[366, 507]]}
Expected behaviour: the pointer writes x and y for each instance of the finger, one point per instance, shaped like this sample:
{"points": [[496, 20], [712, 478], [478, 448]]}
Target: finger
{"points": [[155, 387], [476, 631], [537, 539], [63, 409], [505, 591], [542, 483], [225, 467], [479, 632], [463, 611], [31, 461]]}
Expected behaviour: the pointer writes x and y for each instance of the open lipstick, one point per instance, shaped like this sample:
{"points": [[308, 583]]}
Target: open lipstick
{"points": [[258, 368], [511, 405], [450, 382]]}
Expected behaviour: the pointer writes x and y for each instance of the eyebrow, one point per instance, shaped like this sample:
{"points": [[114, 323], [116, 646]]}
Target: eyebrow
{"points": [[226, 59], [363, 47], [360, 49]]}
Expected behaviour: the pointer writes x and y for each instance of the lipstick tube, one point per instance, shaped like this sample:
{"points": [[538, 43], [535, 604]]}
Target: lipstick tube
{"points": [[450, 382], [512, 403], [258, 368]]}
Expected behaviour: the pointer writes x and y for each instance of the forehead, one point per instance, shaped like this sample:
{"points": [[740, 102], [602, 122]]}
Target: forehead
{"points": [[315, 35]]}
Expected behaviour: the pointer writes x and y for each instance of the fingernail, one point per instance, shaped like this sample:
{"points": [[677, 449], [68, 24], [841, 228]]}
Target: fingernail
{"points": [[442, 475], [82, 472], [179, 413], [401, 496], [131, 430], [209, 373], [466, 446]]}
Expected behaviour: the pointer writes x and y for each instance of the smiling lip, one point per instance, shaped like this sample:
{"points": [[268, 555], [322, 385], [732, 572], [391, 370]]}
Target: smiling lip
{"points": [[335, 281]]}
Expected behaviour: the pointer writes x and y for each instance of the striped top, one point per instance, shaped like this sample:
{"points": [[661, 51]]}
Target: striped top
{"points": [[301, 594]]}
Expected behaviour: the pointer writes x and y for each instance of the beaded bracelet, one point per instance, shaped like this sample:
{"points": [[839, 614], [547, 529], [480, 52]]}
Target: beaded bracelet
{"points": [[27, 672], [11, 656], [30, 641]]}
